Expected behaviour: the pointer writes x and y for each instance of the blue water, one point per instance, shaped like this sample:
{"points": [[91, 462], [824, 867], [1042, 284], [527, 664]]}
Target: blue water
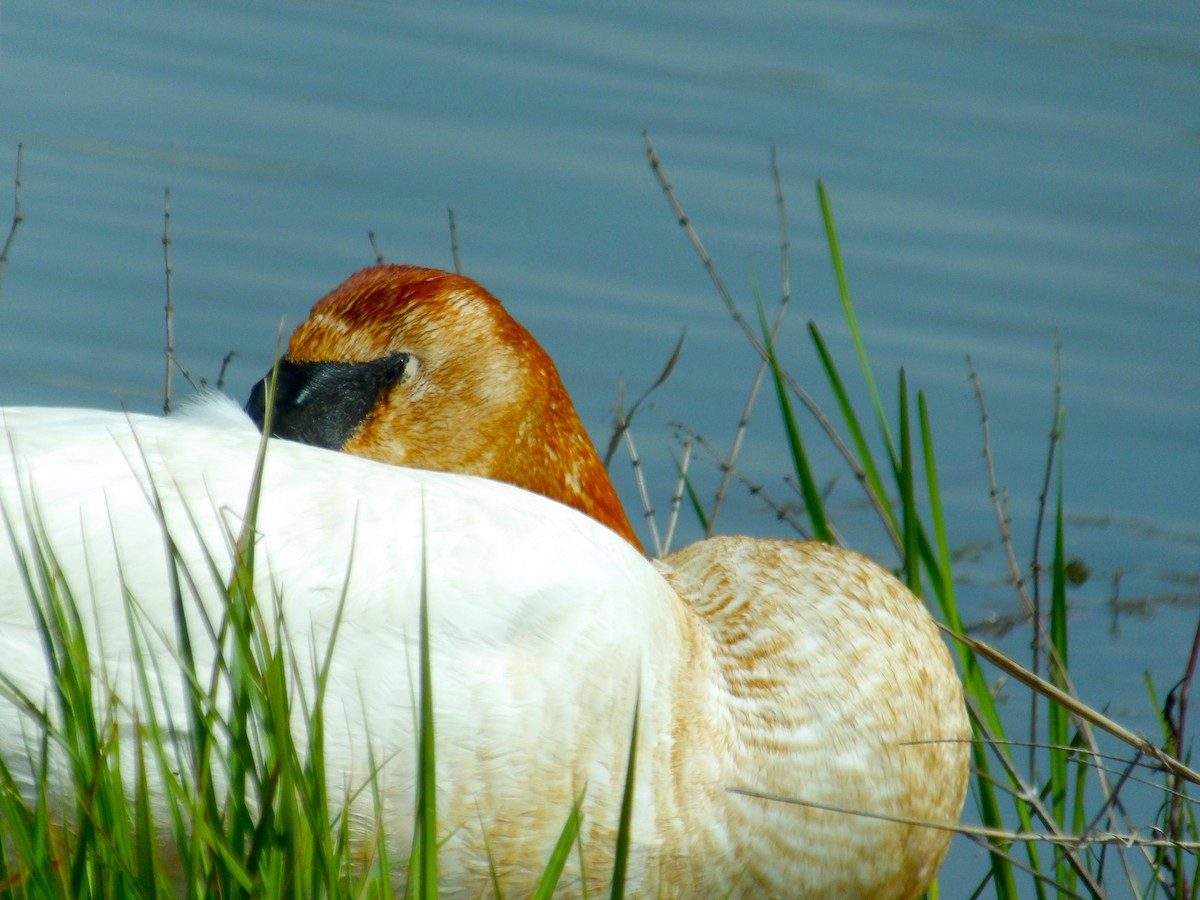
{"points": [[1004, 176]]}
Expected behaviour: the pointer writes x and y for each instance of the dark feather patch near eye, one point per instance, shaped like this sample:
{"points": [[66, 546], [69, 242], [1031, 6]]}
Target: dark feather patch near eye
{"points": [[322, 403]]}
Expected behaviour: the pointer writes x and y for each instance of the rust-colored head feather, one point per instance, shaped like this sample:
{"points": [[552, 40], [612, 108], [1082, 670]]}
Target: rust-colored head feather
{"points": [[478, 396]]}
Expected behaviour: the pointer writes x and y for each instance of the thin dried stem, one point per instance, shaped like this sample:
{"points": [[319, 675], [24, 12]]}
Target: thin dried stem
{"points": [[781, 510], [380, 259], [790, 481], [1055, 438], [1044, 496], [17, 216], [709, 265], [727, 465], [1003, 521], [785, 240], [169, 271], [641, 485], [727, 299], [1072, 703], [1083, 715], [172, 362], [1131, 839], [1029, 795], [1035, 567], [195, 384], [1096, 761], [999, 503], [454, 241], [677, 497], [1014, 861], [785, 294], [224, 368]]}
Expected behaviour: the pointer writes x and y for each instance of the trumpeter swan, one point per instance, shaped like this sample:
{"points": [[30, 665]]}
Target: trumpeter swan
{"points": [[843, 689]]}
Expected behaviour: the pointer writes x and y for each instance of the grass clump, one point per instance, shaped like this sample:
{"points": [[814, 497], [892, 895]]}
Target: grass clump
{"points": [[231, 802]]}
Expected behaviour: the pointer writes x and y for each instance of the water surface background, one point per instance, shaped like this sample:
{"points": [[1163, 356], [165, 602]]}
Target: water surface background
{"points": [[1005, 176]]}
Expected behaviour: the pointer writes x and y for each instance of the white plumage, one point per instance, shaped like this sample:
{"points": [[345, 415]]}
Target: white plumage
{"points": [[523, 641]]}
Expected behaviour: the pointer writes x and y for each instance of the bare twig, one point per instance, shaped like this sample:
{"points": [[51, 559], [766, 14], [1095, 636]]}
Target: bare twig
{"points": [[1026, 795], [999, 503], [172, 362], [379, 257], [1077, 707], [785, 240], [224, 368], [1110, 810], [990, 833], [677, 497], [641, 485], [1003, 521], [454, 241], [1044, 496], [705, 259], [17, 217], [195, 384], [1083, 715], [727, 465], [168, 268], [727, 299], [1030, 796], [785, 294], [1035, 568], [1046, 879], [781, 510], [1096, 760]]}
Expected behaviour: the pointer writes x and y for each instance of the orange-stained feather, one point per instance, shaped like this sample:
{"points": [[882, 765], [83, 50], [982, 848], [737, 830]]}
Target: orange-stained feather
{"points": [[474, 364]]}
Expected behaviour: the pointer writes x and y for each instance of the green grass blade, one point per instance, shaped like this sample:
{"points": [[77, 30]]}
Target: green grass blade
{"points": [[975, 685], [144, 835], [697, 505], [851, 319], [813, 503], [621, 852], [423, 866], [865, 457], [562, 851], [908, 500], [1059, 717]]}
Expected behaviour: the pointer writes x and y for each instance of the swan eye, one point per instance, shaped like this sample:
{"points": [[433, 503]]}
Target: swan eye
{"points": [[399, 369]]}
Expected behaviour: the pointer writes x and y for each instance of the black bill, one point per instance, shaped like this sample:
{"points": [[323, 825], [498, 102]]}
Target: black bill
{"points": [[322, 403]]}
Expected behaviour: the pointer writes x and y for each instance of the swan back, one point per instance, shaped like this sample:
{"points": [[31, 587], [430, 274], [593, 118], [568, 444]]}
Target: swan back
{"points": [[545, 626]]}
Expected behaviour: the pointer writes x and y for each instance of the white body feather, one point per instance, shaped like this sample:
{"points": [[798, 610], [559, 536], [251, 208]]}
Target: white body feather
{"points": [[545, 629]]}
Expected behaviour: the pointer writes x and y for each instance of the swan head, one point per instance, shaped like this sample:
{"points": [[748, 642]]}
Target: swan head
{"points": [[424, 368]]}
